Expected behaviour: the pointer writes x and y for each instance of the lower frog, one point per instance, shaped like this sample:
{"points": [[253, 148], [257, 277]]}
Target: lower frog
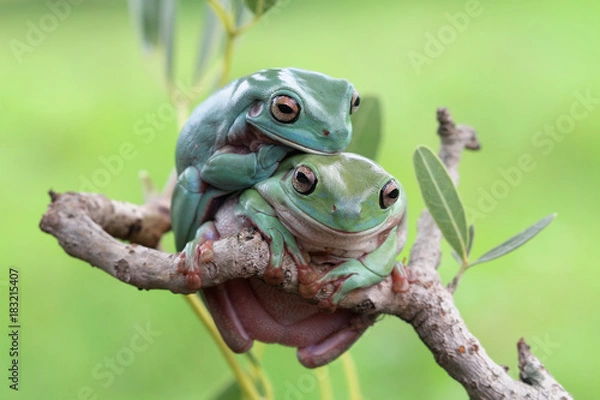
{"points": [[347, 215]]}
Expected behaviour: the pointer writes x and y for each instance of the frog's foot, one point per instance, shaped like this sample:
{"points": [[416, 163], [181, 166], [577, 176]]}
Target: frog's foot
{"points": [[341, 280], [280, 240], [316, 283], [402, 277], [198, 251]]}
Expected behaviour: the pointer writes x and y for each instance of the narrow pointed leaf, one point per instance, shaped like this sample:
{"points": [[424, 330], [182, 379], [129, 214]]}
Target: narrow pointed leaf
{"points": [[167, 34], [144, 14], [516, 241], [238, 11], [366, 128], [471, 238], [147, 15], [457, 257], [442, 199], [259, 7], [211, 34]]}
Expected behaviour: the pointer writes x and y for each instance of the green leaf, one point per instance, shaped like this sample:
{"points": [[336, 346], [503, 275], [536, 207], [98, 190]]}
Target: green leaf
{"points": [[516, 241], [212, 34], [231, 391], [259, 7], [167, 34], [155, 21], [238, 11], [457, 257], [146, 16], [442, 199], [366, 128], [471, 238]]}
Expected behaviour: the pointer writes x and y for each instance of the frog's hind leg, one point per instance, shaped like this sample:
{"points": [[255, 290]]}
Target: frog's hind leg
{"points": [[336, 344], [226, 319]]}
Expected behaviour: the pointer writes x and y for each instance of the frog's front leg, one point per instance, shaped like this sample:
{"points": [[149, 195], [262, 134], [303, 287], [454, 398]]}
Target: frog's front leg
{"points": [[357, 273], [254, 207], [229, 170]]}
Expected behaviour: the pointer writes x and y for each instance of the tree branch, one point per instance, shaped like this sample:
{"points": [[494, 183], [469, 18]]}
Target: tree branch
{"points": [[86, 226]]}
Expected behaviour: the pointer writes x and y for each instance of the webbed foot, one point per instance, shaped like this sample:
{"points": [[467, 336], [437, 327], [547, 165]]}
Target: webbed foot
{"points": [[196, 252]]}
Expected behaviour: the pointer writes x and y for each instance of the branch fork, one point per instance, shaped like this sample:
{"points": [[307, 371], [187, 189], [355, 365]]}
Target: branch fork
{"points": [[87, 227]]}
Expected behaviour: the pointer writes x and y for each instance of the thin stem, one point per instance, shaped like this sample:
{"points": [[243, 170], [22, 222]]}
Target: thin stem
{"points": [[325, 389], [257, 370], [243, 379], [351, 377], [224, 16], [227, 59], [456, 280]]}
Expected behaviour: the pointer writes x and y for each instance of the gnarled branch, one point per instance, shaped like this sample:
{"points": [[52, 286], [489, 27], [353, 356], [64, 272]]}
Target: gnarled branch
{"points": [[86, 226]]}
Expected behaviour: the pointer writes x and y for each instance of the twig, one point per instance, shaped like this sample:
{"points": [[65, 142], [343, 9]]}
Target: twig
{"points": [[83, 224]]}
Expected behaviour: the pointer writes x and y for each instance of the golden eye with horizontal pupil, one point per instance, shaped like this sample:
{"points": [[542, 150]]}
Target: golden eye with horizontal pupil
{"points": [[355, 102], [285, 109], [389, 194], [304, 180]]}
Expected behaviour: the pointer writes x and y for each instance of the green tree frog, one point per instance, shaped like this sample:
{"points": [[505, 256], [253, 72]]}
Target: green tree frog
{"points": [[347, 215], [238, 136]]}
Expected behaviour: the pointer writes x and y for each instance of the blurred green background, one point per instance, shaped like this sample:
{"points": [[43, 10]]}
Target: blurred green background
{"points": [[517, 68]]}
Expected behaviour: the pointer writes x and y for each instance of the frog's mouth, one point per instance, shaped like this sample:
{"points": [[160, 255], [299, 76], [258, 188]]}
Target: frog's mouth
{"points": [[276, 138], [294, 145], [315, 233], [245, 310]]}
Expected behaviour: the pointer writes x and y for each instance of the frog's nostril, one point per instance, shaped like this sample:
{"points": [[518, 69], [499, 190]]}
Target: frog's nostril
{"points": [[325, 132]]}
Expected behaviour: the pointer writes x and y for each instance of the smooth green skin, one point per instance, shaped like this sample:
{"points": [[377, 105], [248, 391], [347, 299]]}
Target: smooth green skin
{"points": [[232, 141], [297, 222]]}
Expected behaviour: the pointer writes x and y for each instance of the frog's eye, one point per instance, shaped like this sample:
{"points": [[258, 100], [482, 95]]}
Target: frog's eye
{"points": [[304, 180], [355, 102], [285, 109], [389, 194]]}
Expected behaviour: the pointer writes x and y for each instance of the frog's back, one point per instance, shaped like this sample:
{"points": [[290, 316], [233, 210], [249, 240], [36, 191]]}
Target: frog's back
{"points": [[208, 125], [207, 129]]}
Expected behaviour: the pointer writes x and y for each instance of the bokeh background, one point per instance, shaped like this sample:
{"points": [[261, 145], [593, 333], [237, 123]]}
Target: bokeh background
{"points": [[516, 71]]}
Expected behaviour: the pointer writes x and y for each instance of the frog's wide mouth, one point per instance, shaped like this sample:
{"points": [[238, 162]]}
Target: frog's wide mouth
{"points": [[294, 145], [309, 225], [278, 138]]}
